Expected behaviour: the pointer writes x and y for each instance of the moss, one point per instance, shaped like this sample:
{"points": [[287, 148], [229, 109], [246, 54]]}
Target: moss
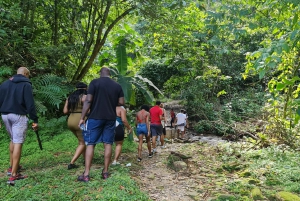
{"points": [[226, 197], [287, 196], [256, 194], [245, 173]]}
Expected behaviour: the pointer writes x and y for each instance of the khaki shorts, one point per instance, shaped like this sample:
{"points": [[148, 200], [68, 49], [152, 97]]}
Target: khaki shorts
{"points": [[16, 126]]}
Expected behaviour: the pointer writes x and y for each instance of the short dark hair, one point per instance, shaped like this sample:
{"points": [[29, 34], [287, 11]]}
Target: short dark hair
{"points": [[145, 107], [157, 103], [182, 110], [81, 85]]}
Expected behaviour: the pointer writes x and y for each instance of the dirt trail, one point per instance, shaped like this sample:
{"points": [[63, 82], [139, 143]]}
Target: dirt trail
{"points": [[160, 182]]}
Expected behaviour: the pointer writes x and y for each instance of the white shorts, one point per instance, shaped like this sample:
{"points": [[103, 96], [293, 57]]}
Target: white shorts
{"points": [[181, 128], [16, 126]]}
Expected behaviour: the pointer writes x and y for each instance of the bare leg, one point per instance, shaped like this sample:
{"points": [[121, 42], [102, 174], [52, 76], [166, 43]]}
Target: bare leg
{"points": [[148, 143], [107, 156], [162, 139], [182, 134], [79, 150], [154, 142], [140, 146], [89, 153], [118, 149], [11, 151], [16, 156]]}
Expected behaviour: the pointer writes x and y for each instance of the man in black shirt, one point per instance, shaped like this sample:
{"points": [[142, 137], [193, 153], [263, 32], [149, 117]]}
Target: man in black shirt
{"points": [[103, 96], [16, 101]]}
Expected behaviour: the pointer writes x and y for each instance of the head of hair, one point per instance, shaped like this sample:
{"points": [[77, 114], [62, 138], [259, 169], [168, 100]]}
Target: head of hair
{"points": [[81, 85], [158, 103], [145, 107], [104, 72], [75, 97], [23, 71], [182, 110]]}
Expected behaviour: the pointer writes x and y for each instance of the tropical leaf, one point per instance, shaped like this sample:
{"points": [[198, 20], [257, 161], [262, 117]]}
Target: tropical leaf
{"points": [[145, 80], [121, 58], [145, 91], [126, 84]]}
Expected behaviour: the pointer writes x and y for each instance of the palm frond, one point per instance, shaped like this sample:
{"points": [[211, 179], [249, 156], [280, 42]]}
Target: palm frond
{"points": [[145, 80]]}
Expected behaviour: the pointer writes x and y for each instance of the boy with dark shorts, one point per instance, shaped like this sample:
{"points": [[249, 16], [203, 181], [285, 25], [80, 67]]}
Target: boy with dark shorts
{"points": [[155, 124]]}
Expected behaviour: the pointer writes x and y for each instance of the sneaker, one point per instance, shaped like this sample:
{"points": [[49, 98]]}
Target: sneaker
{"points": [[150, 155], [139, 159], [83, 178], [115, 163], [12, 179], [105, 175], [10, 169], [154, 151], [72, 166], [163, 147]]}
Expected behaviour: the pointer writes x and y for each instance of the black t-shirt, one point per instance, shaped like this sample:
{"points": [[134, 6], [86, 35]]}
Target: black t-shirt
{"points": [[106, 93]]}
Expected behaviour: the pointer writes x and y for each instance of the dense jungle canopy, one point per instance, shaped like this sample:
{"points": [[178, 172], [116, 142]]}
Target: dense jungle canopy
{"points": [[229, 61]]}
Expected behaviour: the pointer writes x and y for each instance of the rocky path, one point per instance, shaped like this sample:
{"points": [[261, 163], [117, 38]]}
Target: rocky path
{"points": [[162, 183]]}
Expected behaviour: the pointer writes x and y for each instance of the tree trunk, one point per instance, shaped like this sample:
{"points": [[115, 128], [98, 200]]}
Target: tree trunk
{"points": [[100, 41]]}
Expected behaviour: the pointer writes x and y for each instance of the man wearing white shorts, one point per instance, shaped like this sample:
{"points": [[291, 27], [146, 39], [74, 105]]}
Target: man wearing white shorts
{"points": [[16, 101], [180, 122]]}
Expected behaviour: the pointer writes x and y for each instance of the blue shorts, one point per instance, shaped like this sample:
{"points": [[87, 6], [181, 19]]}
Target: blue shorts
{"points": [[141, 129], [99, 131], [156, 129]]}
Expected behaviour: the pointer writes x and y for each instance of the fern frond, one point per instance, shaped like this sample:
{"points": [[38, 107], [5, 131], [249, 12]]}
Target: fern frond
{"points": [[50, 91]]}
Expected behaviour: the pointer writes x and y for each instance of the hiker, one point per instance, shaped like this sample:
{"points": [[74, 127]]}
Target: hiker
{"points": [[16, 101], [155, 124], [163, 123], [172, 114], [143, 129], [73, 107], [103, 96], [121, 121], [179, 122], [186, 123]]}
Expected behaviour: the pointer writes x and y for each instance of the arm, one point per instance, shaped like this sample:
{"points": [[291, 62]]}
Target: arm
{"points": [[147, 122], [30, 107], [136, 119], [121, 101], [28, 97], [66, 107], [124, 119], [86, 107]]}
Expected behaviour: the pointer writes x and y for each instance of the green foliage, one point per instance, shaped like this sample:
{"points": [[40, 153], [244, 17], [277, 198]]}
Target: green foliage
{"points": [[50, 91], [158, 71], [287, 196]]}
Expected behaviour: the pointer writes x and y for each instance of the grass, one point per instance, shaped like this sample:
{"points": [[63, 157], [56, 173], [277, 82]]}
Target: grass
{"points": [[234, 171], [49, 179]]}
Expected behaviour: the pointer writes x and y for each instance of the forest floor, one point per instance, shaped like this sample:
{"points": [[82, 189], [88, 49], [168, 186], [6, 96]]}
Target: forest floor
{"points": [[217, 170], [198, 181]]}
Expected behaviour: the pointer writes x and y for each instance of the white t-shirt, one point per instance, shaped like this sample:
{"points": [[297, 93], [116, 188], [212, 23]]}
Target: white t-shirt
{"points": [[180, 118]]}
